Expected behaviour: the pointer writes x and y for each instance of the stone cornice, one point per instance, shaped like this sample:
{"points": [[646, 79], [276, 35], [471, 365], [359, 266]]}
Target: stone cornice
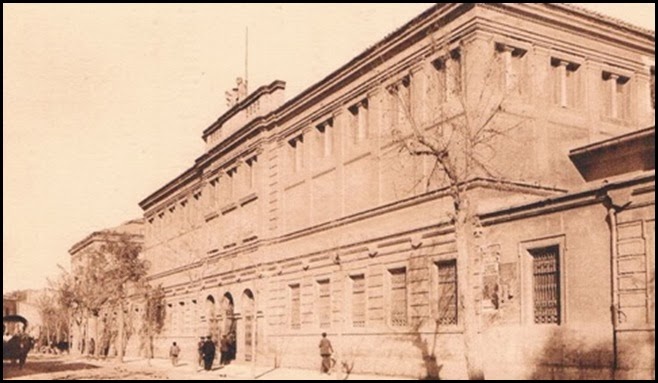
{"points": [[103, 236]]}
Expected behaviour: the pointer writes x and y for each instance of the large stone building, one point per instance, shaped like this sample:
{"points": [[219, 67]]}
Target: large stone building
{"points": [[305, 216]]}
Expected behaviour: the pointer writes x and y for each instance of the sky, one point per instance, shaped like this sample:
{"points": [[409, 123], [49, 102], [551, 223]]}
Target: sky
{"points": [[104, 104]]}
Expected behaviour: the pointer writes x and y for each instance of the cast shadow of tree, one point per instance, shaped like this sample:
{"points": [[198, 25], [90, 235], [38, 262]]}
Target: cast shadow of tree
{"points": [[36, 366], [564, 356]]}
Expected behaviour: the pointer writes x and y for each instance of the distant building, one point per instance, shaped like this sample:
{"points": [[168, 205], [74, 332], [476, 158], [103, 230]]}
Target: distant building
{"points": [[26, 304], [90, 325], [305, 216]]}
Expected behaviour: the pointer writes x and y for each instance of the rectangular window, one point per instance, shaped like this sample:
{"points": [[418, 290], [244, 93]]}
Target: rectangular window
{"points": [[546, 284], [358, 300], [324, 303], [359, 121], [251, 172], [295, 311], [617, 96], [513, 69], [566, 83], [325, 134], [437, 88], [297, 153], [398, 297], [447, 281], [232, 176], [403, 100], [455, 78]]}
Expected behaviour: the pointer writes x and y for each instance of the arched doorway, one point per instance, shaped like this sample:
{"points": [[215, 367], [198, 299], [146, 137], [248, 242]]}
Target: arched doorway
{"points": [[249, 312], [228, 326], [213, 320]]}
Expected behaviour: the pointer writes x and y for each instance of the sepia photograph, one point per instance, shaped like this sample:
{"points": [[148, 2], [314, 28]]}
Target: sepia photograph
{"points": [[405, 191]]}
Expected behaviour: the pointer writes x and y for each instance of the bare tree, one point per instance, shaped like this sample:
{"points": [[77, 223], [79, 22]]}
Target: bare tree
{"points": [[53, 318], [102, 282], [457, 132], [153, 316]]}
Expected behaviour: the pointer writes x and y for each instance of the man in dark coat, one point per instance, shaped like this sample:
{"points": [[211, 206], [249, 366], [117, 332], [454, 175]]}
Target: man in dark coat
{"points": [[208, 354]]}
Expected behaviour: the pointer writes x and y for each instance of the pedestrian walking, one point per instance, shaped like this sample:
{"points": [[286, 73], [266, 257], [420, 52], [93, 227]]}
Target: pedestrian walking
{"points": [[325, 351], [174, 351]]}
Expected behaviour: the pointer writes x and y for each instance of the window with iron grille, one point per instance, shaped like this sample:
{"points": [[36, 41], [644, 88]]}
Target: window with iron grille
{"points": [[447, 292], [398, 297], [358, 300], [546, 284], [295, 313], [324, 303]]}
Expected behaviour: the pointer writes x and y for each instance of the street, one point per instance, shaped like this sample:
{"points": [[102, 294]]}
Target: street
{"points": [[55, 367], [65, 367]]}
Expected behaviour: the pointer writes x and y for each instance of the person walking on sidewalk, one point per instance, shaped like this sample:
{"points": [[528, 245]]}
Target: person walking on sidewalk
{"points": [[174, 351], [325, 351]]}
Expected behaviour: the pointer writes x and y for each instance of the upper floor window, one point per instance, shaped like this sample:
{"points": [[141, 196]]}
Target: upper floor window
{"points": [[325, 134], [513, 69], [250, 177], [444, 82], [297, 153], [401, 99], [359, 121], [566, 83], [616, 90], [231, 180]]}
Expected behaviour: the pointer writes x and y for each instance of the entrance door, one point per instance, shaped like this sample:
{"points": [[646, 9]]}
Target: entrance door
{"points": [[249, 327]]}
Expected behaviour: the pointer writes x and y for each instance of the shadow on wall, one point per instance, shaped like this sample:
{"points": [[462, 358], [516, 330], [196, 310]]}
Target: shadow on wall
{"points": [[426, 345], [432, 368], [568, 355]]}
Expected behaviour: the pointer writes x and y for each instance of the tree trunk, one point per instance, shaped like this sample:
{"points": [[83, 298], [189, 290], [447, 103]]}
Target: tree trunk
{"points": [[467, 263], [121, 334]]}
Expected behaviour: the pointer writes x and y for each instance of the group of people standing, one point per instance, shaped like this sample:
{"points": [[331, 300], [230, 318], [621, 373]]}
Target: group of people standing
{"points": [[207, 351]]}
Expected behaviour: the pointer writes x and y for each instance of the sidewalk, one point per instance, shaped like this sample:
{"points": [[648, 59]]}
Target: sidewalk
{"points": [[186, 371]]}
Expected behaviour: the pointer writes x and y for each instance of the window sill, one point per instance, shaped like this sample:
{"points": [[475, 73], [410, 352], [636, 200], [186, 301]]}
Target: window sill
{"points": [[322, 170], [615, 121], [357, 155], [294, 181], [228, 208], [210, 216], [249, 198]]}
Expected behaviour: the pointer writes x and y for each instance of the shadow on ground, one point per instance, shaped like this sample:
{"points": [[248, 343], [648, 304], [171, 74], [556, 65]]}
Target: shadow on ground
{"points": [[40, 365]]}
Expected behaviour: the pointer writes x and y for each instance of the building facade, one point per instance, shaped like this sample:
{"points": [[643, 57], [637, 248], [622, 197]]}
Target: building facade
{"points": [[26, 304], [306, 216]]}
